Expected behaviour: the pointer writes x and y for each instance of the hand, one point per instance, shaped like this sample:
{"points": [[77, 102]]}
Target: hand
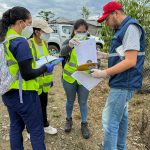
{"points": [[73, 42], [96, 73], [49, 67], [102, 55]]}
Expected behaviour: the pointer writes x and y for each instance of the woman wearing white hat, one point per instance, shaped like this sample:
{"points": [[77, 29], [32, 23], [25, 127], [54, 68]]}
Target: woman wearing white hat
{"points": [[38, 46]]}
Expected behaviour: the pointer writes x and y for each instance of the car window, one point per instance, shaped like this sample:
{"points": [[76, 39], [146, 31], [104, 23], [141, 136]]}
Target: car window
{"points": [[67, 29], [54, 28]]}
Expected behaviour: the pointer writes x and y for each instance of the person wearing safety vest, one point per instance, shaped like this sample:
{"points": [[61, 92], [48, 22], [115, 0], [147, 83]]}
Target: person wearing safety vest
{"points": [[22, 100], [71, 86], [38, 46], [125, 64]]}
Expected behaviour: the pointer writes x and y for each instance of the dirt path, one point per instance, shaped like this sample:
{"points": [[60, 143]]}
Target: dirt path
{"points": [[56, 115]]}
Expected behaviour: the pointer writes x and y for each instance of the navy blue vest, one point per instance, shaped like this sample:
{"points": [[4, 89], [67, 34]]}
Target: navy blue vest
{"points": [[131, 78]]}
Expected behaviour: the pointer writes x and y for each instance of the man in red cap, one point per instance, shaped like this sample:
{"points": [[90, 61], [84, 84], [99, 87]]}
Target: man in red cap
{"points": [[125, 64]]}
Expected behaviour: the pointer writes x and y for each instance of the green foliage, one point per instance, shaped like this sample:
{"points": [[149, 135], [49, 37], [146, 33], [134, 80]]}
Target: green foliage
{"points": [[85, 12], [137, 9], [47, 15]]}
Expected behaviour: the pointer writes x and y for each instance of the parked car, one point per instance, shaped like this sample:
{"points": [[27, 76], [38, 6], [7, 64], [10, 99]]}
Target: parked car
{"points": [[60, 34], [63, 32]]}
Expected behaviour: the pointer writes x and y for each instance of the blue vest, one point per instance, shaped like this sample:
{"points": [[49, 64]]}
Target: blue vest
{"points": [[131, 78]]}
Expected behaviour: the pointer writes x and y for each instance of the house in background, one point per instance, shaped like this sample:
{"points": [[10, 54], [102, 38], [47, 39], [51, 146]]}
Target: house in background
{"points": [[94, 27]]}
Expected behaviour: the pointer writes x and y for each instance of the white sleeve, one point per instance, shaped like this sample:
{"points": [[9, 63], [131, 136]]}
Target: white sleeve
{"points": [[131, 39]]}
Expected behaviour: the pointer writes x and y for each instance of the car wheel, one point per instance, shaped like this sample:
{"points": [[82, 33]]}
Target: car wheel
{"points": [[99, 46], [53, 49]]}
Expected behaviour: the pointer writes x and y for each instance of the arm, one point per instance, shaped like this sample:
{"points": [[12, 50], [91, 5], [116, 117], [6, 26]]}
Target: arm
{"points": [[21, 51], [66, 49], [27, 72], [129, 62], [131, 46]]}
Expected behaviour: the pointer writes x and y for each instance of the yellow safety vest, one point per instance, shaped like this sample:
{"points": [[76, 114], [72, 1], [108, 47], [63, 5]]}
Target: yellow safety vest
{"points": [[45, 79], [70, 67], [31, 85]]}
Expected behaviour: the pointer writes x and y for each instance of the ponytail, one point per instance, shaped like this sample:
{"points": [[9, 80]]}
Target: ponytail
{"points": [[10, 17], [5, 22]]}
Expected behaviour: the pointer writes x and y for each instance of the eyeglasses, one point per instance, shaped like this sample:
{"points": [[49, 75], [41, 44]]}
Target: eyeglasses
{"points": [[107, 18]]}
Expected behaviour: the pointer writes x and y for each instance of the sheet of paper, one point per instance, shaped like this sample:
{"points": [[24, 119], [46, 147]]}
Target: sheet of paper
{"points": [[86, 80], [44, 59], [86, 52]]}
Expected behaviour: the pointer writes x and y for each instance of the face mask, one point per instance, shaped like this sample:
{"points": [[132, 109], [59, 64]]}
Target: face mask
{"points": [[45, 36], [81, 36], [27, 31]]}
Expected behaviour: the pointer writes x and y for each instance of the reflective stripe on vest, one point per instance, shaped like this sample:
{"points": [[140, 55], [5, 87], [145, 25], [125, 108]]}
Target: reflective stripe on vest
{"points": [[70, 67], [13, 65], [71, 64], [10, 63], [66, 72], [45, 79], [116, 54]]}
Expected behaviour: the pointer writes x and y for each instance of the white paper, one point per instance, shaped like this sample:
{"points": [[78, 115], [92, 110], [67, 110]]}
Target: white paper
{"points": [[86, 52], [86, 80], [43, 60]]}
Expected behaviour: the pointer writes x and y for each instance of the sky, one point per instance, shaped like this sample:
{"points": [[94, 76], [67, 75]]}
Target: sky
{"points": [[70, 9]]}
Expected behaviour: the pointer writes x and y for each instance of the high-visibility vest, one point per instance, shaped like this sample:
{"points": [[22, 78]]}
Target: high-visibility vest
{"points": [[45, 79], [31, 85], [70, 67]]}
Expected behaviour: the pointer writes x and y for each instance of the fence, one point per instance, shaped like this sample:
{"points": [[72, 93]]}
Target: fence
{"points": [[146, 70]]}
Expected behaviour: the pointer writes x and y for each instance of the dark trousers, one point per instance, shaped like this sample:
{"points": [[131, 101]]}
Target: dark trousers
{"points": [[44, 99], [28, 113]]}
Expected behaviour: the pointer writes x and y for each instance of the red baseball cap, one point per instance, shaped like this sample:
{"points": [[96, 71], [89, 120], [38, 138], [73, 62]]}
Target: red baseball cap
{"points": [[108, 8]]}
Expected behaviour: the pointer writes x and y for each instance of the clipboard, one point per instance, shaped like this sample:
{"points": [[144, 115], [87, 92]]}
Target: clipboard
{"points": [[85, 67]]}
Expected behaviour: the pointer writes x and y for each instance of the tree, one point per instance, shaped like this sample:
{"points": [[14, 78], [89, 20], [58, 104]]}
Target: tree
{"points": [[136, 9], [47, 15], [85, 12]]}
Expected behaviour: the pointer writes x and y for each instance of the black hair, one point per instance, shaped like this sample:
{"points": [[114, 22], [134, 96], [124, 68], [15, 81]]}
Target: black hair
{"points": [[10, 17], [77, 24], [34, 29]]}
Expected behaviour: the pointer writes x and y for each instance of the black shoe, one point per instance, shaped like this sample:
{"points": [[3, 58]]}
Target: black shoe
{"points": [[68, 125], [85, 130]]}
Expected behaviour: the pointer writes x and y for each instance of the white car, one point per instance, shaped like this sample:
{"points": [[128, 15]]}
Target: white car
{"points": [[99, 41], [63, 32]]}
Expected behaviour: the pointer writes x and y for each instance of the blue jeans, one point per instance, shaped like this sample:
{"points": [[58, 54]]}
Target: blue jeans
{"points": [[30, 114], [115, 119], [71, 89]]}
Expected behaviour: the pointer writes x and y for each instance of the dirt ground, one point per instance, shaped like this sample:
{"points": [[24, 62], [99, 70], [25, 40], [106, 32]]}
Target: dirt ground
{"points": [[74, 140]]}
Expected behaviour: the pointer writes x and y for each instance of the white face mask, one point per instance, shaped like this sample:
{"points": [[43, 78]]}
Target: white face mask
{"points": [[45, 36], [27, 31], [81, 36]]}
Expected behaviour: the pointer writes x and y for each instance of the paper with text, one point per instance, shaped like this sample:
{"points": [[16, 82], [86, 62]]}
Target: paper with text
{"points": [[86, 52], [86, 80], [44, 60]]}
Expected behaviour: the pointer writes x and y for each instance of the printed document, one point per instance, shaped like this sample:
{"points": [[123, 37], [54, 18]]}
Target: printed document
{"points": [[86, 52], [86, 80], [44, 60]]}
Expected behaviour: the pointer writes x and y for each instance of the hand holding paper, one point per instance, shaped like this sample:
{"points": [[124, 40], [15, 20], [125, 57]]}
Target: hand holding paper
{"points": [[96, 73], [73, 42]]}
